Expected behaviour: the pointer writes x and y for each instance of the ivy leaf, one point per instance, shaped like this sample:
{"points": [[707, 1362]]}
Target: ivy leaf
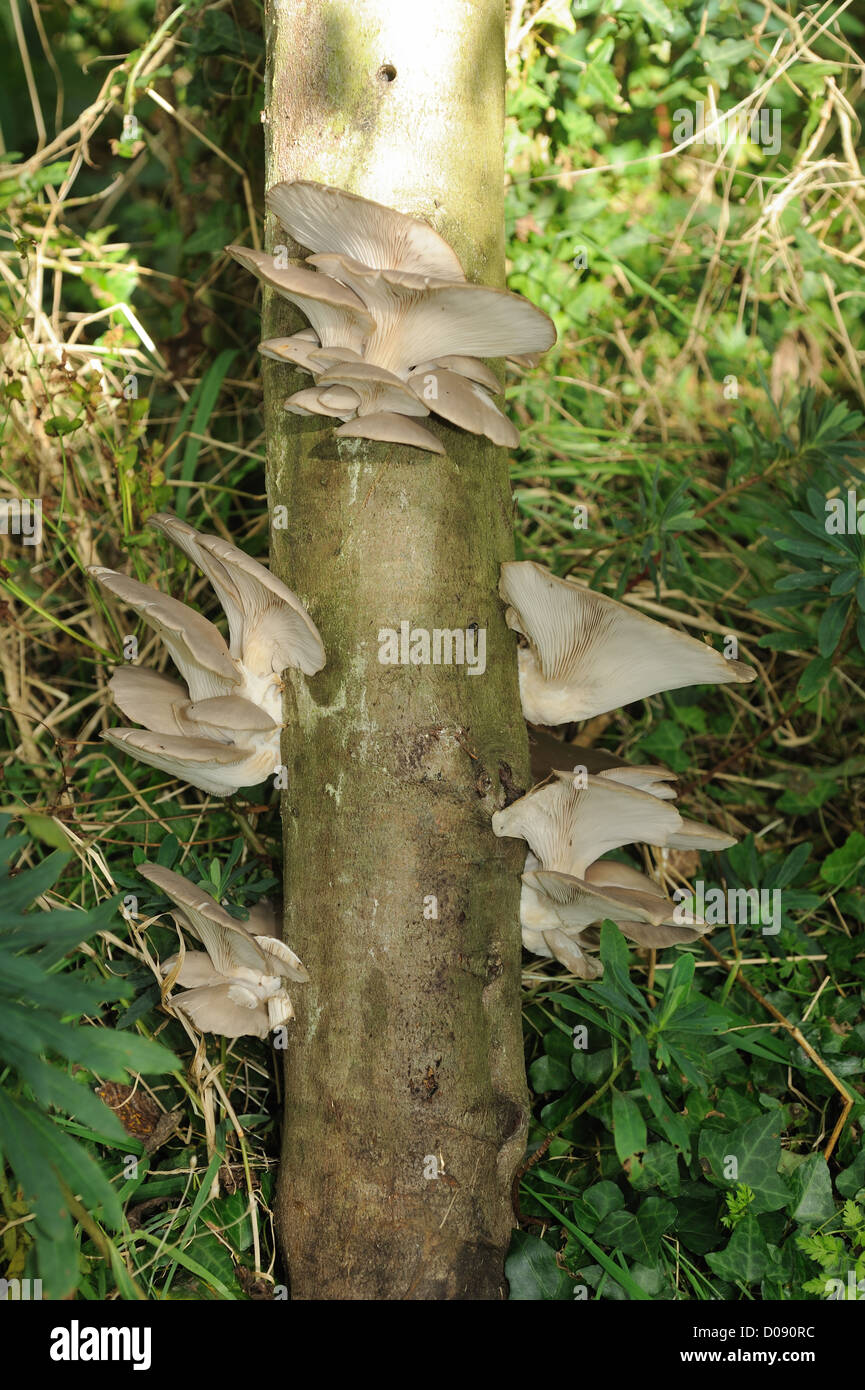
{"points": [[812, 1199], [746, 1255], [532, 1272]]}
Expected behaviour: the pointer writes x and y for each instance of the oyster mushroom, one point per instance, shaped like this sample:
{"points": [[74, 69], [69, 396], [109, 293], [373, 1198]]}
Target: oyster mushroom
{"points": [[220, 731], [236, 986], [586, 654]]}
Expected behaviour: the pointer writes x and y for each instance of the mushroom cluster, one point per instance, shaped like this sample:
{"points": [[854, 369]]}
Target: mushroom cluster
{"points": [[236, 986], [583, 654], [220, 731], [397, 330]]}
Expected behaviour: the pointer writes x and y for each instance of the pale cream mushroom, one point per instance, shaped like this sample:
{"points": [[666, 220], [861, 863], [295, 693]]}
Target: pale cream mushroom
{"points": [[237, 985], [331, 220], [335, 312], [694, 835], [376, 391], [309, 402], [395, 429], [569, 823], [299, 350], [418, 318], [463, 402], [386, 290], [221, 731], [471, 367], [586, 654]]}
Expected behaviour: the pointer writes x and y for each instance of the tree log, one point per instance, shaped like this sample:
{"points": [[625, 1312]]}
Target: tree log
{"points": [[406, 1059]]}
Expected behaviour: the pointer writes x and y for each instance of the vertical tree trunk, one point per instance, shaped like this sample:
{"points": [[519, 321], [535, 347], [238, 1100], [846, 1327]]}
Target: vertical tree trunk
{"points": [[407, 1054]]}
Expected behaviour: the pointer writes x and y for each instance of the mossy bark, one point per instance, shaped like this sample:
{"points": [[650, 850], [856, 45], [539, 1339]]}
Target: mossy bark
{"points": [[406, 1058]]}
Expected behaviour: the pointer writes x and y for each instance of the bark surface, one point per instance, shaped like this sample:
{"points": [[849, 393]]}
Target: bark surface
{"points": [[407, 1057]]}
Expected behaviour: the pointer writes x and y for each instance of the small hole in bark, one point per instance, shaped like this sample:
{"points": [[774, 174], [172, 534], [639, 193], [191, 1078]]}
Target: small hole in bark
{"points": [[387, 73]]}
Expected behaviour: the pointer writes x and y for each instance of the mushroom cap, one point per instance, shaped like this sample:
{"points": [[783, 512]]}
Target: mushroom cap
{"points": [[693, 834], [464, 403], [296, 349], [588, 654], [471, 367], [377, 390], [335, 312], [418, 317], [573, 903], [340, 398], [213, 767], [197, 969], [230, 714], [644, 778], [568, 826], [227, 941], [269, 628], [225, 1010], [152, 699], [309, 402], [395, 429], [196, 647], [329, 219], [324, 358]]}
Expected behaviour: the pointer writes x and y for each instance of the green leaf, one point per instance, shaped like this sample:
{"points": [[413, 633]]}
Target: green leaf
{"points": [[602, 1198], [659, 1167], [532, 1272], [549, 1074], [749, 1154], [843, 863], [629, 1127], [831, 625], [812, 1200], [745, 1257], [813, 678]]}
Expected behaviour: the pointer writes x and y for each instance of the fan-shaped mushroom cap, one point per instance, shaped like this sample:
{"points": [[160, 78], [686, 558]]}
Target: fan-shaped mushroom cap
{"points": [[197, 969], [644, 779], [418, 318], [335, 312], [324, 358], [471, 367], [238, 956], [229, 1010], [666, 929], [340, 398], [329, 219], [568, 826], [269, 628], [309, 402], [574, 903], [297, 350], [464, 403], [151, 698], [588, 654], [229, 714], [566, 949], [395, 429], [204, 762], [377, 390], [196, 647], [693, 834]]}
